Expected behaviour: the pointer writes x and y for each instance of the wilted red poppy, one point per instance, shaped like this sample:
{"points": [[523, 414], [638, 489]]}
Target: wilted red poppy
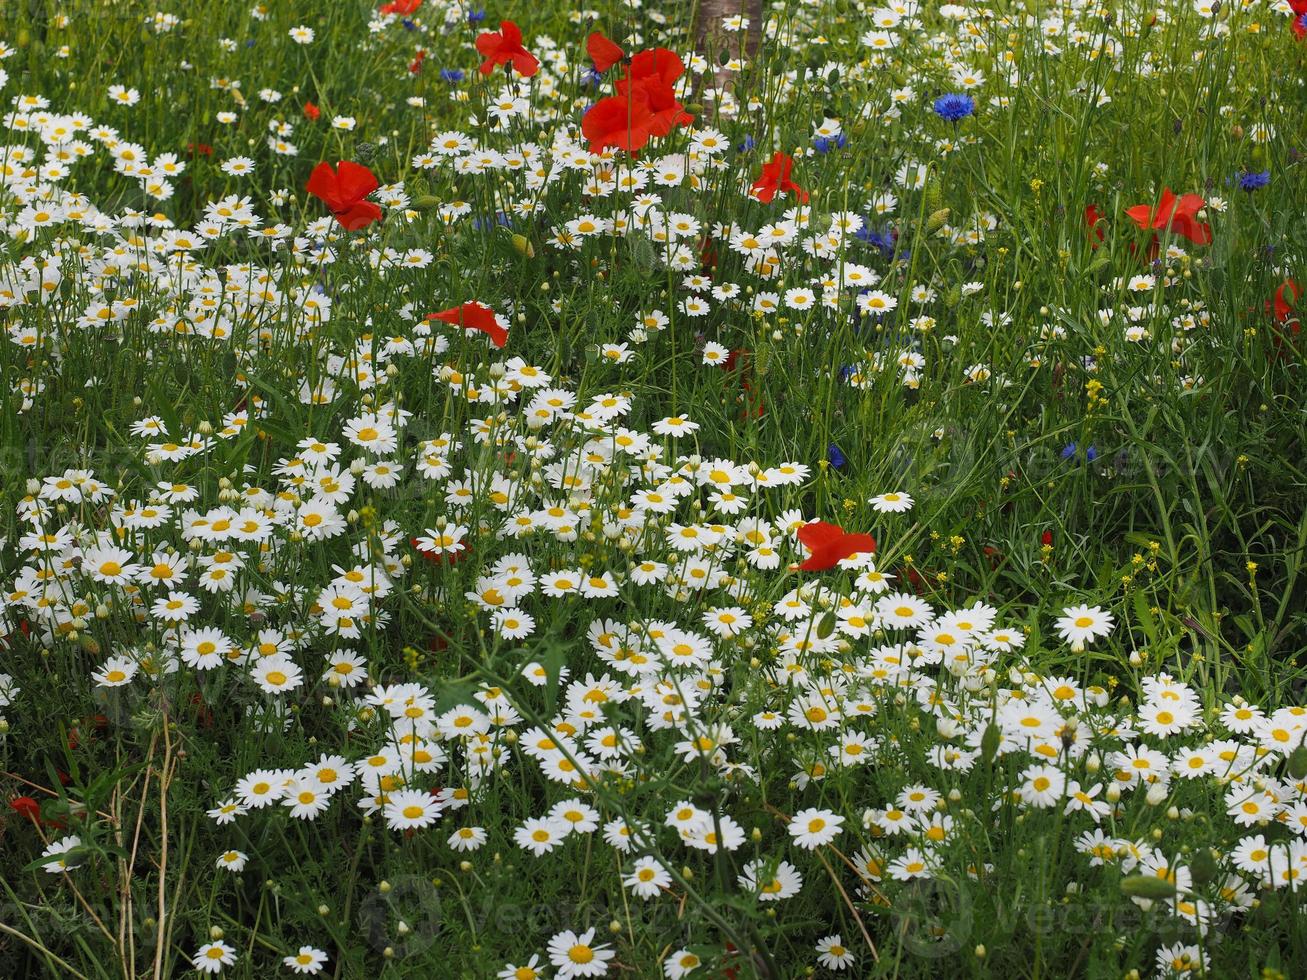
{"points": [[775, 179], [506, 46], [603, 52], [343, 190], [1179, 214], [829, 543], [474, 316]]}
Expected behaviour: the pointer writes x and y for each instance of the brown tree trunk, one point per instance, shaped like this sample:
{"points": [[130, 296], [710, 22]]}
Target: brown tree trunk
{"points": [[711, 41]]}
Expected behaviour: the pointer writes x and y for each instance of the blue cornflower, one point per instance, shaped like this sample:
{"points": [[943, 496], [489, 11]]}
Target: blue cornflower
{"points": [[476, 16], [1070, 449], [881, 240], [501, 218], [824, 144], [1254, 181], [836, 456], [954, 106], [591, 77], [748, 144], [452, 74]]}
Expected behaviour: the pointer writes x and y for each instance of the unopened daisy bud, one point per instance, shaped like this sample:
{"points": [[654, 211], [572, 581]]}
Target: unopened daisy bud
{"points": [[614, 927], [980, 951], [937, 220], [523, 245], [687, 874], [403, 928], [388, 952], [1135, 659], [215, 933], [1147, 886], [1298, 762], [33, 486], [1113, 793], [384, 887], [756, 834], [323, 910]]}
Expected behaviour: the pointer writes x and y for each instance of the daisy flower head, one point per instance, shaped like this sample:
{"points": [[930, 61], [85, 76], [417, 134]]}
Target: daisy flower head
{"points": [[1080, 625], [308, 960], [577, 955], [812, 828], [212, 957], [833, 954], [895, 502]]}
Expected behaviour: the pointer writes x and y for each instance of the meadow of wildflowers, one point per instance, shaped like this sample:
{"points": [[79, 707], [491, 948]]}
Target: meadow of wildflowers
{"points": [[653, 489]]}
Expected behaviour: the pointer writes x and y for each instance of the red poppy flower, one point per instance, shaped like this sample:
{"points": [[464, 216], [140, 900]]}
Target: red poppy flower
{"points": [[1289, 292], [439, 558], [829, 543], [1046, 539], [603, 52], [1288, 327], [401, 7], [1094, 220], [623, 121], [655, 71], [505, 47], [343, 190], [415, 65], [1299, 8], [775, 179], [199, 149], [645, 104], [474, 316], [312, 112], [27, 807], [1179, 214]]}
